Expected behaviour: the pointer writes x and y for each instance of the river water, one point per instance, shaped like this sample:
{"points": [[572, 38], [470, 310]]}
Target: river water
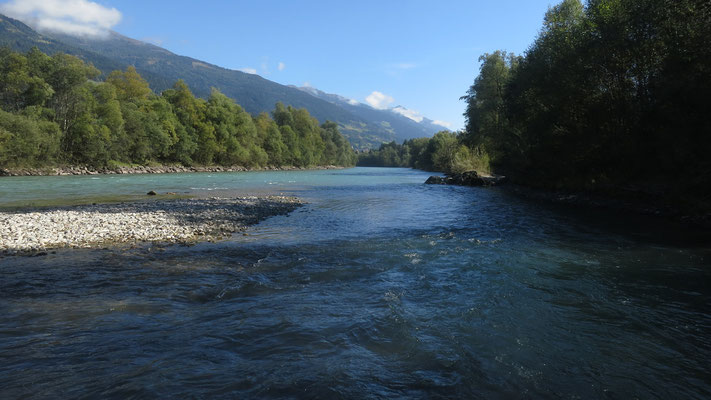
{"points": [[380, 287]]}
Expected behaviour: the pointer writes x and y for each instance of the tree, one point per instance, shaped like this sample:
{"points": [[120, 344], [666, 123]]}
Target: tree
{"points": [[25, 141], [67, 76], [274, 145], [58, 112], [20, 87], [487, 125], [130, 85], [442, 149]]}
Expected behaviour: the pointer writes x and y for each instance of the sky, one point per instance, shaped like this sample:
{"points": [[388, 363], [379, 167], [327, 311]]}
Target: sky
{"points": [[420, 55]]}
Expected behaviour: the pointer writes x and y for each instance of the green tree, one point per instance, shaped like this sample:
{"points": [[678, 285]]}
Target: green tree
{"points": [[25, 141], [67, 75], [487, 125], [19, 86], [129, 84], [274, 145]]}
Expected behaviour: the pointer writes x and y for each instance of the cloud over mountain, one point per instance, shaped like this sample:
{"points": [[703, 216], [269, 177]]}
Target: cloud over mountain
{"points": [[411, 114], [379, 100], [73, 17]]}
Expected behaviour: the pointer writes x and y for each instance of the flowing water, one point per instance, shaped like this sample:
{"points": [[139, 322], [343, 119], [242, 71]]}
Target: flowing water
{"points": [[380, 287]]}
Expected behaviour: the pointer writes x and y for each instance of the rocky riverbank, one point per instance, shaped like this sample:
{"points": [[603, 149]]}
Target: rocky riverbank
{"points": [[161, 169], [622, 200], [169, 221]]}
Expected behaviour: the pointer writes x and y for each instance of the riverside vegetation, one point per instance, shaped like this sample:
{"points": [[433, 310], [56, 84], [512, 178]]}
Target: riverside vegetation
{"points": [[55, 116], [610, 98], [54, 112]]}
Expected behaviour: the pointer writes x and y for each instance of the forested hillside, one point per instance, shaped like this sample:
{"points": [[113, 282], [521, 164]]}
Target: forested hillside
{"points": [[54, 111], [161, 68]]}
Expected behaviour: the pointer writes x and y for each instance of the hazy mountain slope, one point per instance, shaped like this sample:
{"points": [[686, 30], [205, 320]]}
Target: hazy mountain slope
{"points": [[402, 127], [20, 37], [161, 68]]}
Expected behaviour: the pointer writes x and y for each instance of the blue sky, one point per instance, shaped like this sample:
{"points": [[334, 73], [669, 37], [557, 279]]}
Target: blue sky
{"points": [[418, 54]]}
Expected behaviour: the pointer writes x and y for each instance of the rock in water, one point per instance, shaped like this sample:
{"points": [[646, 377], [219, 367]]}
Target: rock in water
{"points": [[152, 193], [468, 178], [436, 180]]}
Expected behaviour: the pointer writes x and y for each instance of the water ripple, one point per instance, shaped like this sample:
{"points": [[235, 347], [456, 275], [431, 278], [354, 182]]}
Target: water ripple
{"points": [[374, 290]]}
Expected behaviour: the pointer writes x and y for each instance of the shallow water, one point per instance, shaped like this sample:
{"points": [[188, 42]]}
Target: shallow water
{"points": [[380, 287]]}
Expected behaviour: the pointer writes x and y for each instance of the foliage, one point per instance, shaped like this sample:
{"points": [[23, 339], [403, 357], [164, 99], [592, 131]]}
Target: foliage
{"points": [[364, 126], [443, 152], [611, 92], [54, 111], [27, 140]]}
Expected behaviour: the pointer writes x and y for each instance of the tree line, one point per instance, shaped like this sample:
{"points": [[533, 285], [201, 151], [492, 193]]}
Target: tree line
{"points": [[444, 152], [55, 111], [611, 92]]}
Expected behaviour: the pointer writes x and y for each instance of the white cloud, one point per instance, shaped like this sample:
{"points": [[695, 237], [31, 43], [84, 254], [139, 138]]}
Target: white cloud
{"points": [[353, 102], [73, 17], [281, 66], [378, 100], [307, 84], [411, 114], [252, 71], [404, 65], [442, 123]]}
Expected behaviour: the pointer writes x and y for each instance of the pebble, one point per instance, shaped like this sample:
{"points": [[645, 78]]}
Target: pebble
{"points": [[171, 221]]}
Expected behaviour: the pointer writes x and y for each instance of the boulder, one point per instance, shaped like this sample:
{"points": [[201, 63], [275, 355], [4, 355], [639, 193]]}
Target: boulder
{"points": [[468, 178], [152, 193], [436, 180]]}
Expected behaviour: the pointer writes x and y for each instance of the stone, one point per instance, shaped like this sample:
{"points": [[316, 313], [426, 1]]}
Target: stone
{"points": [[152, 193], [468, 178], [178, 220], [436, 180]]}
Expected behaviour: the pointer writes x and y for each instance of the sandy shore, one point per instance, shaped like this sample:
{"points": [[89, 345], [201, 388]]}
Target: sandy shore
{"points": [[172, 221]]}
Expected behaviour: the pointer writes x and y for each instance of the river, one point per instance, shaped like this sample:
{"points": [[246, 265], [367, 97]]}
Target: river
{"points": [[379, 287]]}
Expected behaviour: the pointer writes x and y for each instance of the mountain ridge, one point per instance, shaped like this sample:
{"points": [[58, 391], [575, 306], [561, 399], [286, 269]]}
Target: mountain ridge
{"points": [[398, 121], [162, 68]]}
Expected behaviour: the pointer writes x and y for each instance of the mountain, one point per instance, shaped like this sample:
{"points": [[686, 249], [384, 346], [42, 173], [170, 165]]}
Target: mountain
{"points": [[364, 127], [402, 123]]}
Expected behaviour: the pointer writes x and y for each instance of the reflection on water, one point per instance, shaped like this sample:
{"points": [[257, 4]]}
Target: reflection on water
{"points": [[379, 287]]}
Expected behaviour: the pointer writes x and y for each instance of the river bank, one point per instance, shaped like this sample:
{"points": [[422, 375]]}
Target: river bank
{"points": [[159, 169], [167, 221], [636, 199]]}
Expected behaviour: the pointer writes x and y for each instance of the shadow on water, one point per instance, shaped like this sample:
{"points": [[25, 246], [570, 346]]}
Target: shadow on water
{"points": [[397, 290]]}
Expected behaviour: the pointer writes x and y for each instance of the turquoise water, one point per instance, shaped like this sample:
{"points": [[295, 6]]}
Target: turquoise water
{"points": [[15, 190], [380, 287]]}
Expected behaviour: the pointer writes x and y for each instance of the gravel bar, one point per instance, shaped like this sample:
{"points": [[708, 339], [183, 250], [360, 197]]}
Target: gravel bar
{"points": [[169, 221]]}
